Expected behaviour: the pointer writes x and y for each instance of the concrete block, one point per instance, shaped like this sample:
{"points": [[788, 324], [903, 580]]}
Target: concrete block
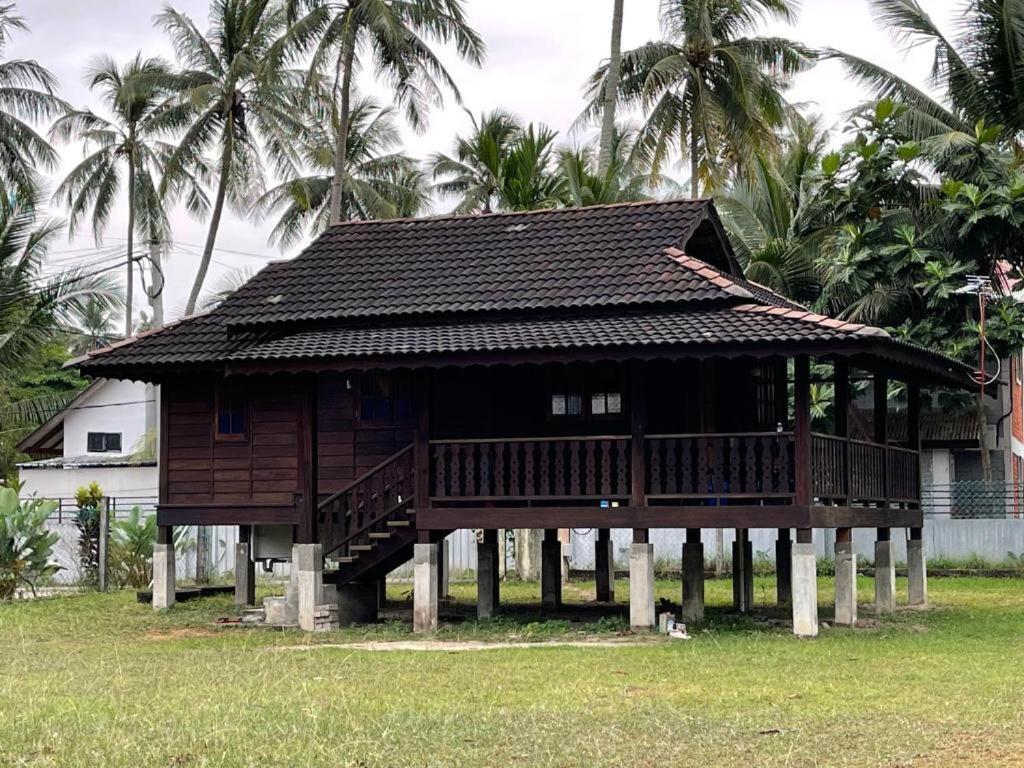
{"points": [[245, 575], [424, 587], [308, 562], [917, 573], [641, 586], [846, 584], [805, 590], [283, 611], [551, 574], [163, 576], [486, 579], [693, 582], [885, 577], [604, 569]]}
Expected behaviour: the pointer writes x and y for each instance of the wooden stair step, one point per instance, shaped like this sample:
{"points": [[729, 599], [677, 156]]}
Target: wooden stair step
{"points": [[347, 558], [362, 547], [399, 523], [381, 535]]}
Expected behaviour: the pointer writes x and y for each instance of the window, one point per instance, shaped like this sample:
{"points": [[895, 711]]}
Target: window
{"points": [[375, 398], [232, 415], [605, 403], [103, 442], [570, 404]]}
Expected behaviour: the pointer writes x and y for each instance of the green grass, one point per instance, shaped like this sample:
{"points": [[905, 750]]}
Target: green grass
{"points": [[98, 680]]}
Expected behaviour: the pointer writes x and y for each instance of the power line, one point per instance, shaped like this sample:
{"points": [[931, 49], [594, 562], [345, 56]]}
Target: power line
{"points": [[54, 411]]}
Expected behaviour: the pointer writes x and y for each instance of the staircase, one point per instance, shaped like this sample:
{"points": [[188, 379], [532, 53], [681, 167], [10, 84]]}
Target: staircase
{"points": [[368, 527]]}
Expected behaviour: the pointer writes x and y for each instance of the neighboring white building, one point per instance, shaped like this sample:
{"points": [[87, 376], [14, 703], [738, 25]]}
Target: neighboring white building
{"points": [[93, 439]]}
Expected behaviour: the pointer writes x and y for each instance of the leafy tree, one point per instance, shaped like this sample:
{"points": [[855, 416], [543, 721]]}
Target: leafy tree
{"points": [[977, 73], [391, 37], [380, 182], [711, 90], [234, 95], [126, 147], [26, 96]]}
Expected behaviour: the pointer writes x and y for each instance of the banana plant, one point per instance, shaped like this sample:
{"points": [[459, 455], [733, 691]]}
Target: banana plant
{"points": [[26, 547]]}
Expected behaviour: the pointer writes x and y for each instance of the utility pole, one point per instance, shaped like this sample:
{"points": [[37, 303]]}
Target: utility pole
{"points": [[981, 285]]}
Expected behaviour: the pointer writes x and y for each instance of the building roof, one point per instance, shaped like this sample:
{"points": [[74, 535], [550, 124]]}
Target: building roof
{"points": [[48, 438], [88, 461], [657, 274]]}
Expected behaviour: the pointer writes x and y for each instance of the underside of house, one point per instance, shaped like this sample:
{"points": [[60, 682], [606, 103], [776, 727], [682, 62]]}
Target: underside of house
{"points": [[605, 367]]}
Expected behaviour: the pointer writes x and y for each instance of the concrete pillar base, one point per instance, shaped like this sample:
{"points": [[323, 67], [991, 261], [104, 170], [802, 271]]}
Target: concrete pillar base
{"points": [[245, 575], [163, 576], [358, 602], [551, 573], [486, 579], [424, 587], [805, 590], [604, 567], [917, 573], [308, 562], [693, 582], [641, 586], [846, 584], [885, 577]]}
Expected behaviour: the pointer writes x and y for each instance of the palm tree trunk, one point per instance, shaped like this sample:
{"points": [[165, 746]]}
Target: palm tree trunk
{"points": [[341, 143], [218, 210], [611, 87], [130, 278], [694, 160]]}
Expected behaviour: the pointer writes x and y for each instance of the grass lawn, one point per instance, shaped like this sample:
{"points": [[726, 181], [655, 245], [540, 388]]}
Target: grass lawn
{"points": [[98, 680]]}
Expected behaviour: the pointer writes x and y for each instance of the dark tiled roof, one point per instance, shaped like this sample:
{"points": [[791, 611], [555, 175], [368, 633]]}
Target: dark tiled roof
{"points": [[937, 427], [735, 325], [583, 257]]}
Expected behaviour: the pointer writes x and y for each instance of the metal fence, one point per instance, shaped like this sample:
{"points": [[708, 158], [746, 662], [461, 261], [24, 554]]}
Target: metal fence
{"points": [[973, 500]]}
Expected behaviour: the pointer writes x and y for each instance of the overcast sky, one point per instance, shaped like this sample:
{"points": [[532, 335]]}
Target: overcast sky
{"points": [[539, 54]]}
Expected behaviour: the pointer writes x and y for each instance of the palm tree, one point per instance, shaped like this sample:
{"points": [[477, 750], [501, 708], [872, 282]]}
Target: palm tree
{"points": [[978, 73], [380, 183], [474, 171], [128, 145], [26, 96], [618, 182], [34, 309], [711, 91], [236, 94], [611, 87], [392, 36], [94, 320], [774, 215]]}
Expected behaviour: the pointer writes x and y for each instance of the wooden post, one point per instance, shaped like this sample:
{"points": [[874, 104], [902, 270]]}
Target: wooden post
{"points": [[638, 423], [784, 567], [914, 427], [880, 417], [422, 439], [307, 531], [245, 568], [104, 542], [802, 430]]}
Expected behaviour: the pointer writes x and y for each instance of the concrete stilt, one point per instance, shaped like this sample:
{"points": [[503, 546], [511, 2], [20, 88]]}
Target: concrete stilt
{"points": [[641, 585], [358, 601], [604, 566], [486, 577], [424, 587], [742, 572], [308, 560], [443, 573], [693, 577], [163, 569], [245, 569], [805, 585], [784, 567], [846, 578], [551, 570], [917, 569], [885, 573]]}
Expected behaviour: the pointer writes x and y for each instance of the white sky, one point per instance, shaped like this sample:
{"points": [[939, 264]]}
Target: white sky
{"points": [[540, 52]]}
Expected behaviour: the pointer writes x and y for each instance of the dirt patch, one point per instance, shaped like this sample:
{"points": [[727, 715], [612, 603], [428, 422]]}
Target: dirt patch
{"points": [[179, 633], [462, 646], [988, 748]]}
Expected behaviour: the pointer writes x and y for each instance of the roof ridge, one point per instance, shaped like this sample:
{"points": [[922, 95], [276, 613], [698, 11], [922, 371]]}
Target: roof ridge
{"points": [[858, 329], [535, 211]]}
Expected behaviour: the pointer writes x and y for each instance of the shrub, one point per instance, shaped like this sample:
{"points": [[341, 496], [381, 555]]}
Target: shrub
{"points": [[26, 547], [130, 562], [87, 520]]}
